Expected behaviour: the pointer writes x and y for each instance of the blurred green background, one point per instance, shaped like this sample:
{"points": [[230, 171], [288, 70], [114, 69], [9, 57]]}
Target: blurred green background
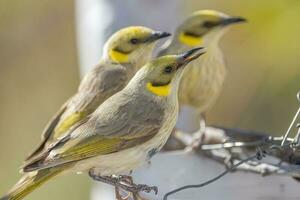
{"points": [[39, 70]]}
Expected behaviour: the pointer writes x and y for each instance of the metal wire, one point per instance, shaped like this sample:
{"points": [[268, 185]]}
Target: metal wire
{"points": [[292, 123], [258, 156]]}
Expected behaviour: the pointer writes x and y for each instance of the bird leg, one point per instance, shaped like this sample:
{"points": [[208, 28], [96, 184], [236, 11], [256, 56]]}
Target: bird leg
{"points": [[129, 195], [199, 136], [119, 196], [123, 182]]}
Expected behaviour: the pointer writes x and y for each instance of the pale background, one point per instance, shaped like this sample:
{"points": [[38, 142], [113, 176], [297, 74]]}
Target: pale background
{"points": [[39, 69]]}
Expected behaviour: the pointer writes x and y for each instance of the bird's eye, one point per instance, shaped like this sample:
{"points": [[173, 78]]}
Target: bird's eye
{"points": [[209, 24], [168, 69], [134, 41]]}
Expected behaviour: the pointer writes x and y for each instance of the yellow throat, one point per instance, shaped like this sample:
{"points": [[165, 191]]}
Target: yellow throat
{"points": [[189, 40], [118, 56], [163, 90]]}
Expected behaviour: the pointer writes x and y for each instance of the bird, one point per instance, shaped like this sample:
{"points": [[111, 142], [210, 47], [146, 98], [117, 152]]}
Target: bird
{"points": [[123, 133], [123, 54], [201, 86]]}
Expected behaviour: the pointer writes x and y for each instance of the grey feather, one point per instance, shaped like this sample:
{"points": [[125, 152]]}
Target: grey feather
{"points": [[100, 83], [115, 118]]}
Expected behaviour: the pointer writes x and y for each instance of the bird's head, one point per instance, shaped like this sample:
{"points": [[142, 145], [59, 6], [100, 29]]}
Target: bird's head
{"points": [[203, 26], [162, 75], [132, 44]]}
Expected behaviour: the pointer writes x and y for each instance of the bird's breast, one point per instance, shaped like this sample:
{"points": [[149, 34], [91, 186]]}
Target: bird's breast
{"points": [[129, 159], [203, 81]]}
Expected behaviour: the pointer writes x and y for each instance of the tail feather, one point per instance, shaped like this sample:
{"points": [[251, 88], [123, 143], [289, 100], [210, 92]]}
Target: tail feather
{"points": [[4, 198], [29, 182]]}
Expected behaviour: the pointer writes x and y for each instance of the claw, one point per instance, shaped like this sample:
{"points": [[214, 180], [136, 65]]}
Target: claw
{"points": [[119, 196], [146, 188], [124, 182], [136, 188], [126, 179]]}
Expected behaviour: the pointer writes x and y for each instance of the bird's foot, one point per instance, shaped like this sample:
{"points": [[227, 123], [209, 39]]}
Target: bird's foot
{"points": [[124, 182], [123, 195], [198, 136], [197, 141], [128, 184], [125, 179], [135, 188]]}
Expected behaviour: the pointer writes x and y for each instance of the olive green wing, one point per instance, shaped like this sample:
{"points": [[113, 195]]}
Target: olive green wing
{"points": [[99, 84], [96, 87], [107, 131]]}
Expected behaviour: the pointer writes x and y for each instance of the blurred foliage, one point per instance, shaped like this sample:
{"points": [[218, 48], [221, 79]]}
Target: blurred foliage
{"points": [[38, 72]]}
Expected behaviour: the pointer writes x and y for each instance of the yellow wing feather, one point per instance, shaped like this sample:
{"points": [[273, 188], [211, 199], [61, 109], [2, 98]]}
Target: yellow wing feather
{"points": [[95, 146], [68, 123]]}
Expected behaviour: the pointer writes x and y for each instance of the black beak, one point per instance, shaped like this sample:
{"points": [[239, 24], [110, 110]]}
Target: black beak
{"points": [[156, 35], [185, 58], [232, 20]]}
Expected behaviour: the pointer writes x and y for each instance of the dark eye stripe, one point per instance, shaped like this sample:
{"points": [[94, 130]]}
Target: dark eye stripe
{"points": [[158, 84], [122, 51], [209, 24], [191, 34]]}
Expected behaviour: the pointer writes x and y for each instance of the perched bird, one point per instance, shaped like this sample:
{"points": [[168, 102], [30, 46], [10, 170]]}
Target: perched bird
{"points": [[122, 134], [124, 53], [200, 86]]}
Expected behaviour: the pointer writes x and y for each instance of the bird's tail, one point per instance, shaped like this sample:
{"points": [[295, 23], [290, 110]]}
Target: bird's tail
{"points": [[30, 181]]}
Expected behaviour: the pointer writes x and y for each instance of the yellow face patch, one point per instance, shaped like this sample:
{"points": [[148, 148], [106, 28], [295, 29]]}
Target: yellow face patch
{"points": [[159, 90], [118, 56], [189, 40]]}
